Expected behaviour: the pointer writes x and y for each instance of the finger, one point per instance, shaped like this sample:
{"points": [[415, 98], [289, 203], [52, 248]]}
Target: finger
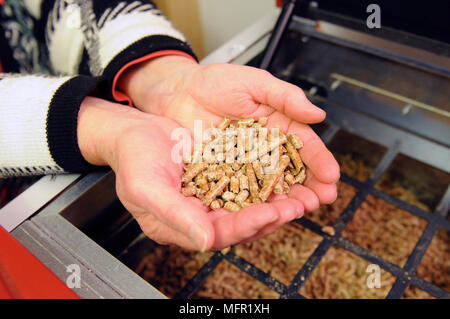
{"points": [[289, 209], [315, 154], [197, 202], [286, 217], [162, 234], [236, 227], [171, 208], [285, 97], [305, 195], [327, 193], [231, 228], [275, 197], [259, 235]]}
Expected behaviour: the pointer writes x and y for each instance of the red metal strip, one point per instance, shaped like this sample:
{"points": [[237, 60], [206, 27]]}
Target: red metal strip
{"points": [[22, 275]]}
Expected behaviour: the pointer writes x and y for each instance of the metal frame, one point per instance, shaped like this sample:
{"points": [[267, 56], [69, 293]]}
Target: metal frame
{"points": [[375, 45], [58, 244]]}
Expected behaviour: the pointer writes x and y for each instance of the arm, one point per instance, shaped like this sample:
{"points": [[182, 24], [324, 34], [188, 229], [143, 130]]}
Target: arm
{"points": [[38, 123], [62, 41]]}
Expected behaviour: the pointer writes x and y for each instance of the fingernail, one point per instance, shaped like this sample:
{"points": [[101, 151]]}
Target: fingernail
{"points": [[318, 109], [199, 237], [299, 210], [321, 111], [334, 199]]}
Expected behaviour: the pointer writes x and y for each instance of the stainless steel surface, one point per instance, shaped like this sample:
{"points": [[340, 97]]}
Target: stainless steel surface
{"points": [[408, 101], [58, 243], [33, 199], [375, 45], [57, 258]]}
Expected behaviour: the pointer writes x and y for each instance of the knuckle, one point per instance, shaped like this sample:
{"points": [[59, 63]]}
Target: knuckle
{"points": [[265, 73], [134, 189]]}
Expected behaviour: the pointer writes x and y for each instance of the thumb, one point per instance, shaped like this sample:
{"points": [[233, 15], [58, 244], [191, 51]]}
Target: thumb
{"points": [[284, 97], [172, 208]]}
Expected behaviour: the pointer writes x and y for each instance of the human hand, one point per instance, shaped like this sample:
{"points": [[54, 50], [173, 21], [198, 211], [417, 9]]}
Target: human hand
{"points": [[138, 148], [178, 88]]}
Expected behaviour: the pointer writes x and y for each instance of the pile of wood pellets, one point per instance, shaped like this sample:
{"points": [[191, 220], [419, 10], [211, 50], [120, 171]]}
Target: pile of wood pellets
{"points": [[250, 162]]}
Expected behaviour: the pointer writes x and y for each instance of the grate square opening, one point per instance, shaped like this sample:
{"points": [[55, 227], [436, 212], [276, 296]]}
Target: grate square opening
{"points": [[342, 274], [326, 215], [384, 229], [435, 264], [229, 282], [283, 253], [414, 182], [356, 155]]}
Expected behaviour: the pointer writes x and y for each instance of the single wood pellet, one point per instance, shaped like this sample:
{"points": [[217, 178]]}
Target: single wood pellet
{"points": [[228, 196], [216, 190], [252, 182], [289, 178], [294, 140], [271, 182], [243, 182], [257, 168], [231, 206], [234, 184], [216, 204], [242, 196], [300, 178], [278, 189], [328, 230], [295, 157]]}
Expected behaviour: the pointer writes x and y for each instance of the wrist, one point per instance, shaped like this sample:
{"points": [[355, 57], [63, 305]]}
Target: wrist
{"points": [[100, 124], [138, 79]]}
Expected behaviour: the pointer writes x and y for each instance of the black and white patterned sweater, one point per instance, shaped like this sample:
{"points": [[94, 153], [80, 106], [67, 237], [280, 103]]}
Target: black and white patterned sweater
{"points": [[53, 54]]}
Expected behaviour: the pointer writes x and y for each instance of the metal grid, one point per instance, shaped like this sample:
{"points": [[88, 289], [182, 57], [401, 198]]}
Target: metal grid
{"points": [[405, 275], [396, 141]]}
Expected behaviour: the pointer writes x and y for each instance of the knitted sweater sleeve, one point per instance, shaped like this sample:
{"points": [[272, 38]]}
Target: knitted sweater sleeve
{"points": [[38, 123], [100, 37], [81, 45]]}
